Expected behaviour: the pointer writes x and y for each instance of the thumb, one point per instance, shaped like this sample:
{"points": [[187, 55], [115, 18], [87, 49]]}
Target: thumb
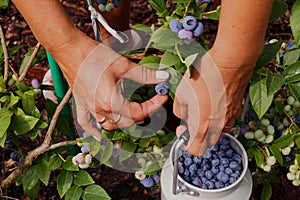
{"points": [[146, 75]]}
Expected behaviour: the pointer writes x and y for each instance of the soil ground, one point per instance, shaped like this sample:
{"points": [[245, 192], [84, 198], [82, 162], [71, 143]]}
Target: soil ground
{"points": [[121, 185]]}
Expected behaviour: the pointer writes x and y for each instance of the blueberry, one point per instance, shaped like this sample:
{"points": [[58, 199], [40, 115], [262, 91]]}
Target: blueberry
{"points": [[162, 88], [224, 147], [209, 174], [229, 153], [188, 161], [237, 158], [156, 178], [207, 155], [210, 184], [187, 179], [200, 173], [186, 172], [101, 7], [232, 179], [215, 169], [181, 169], [186, 154], [215, 162], [13, 155], [203, 1], [35, 84], [221, 154], [203, 180], [193, 168], [228, 170], [109, 7], [296, 119], [189, 23], [20, 161], [198, 30], [221, 176], [175, 25], [219, 184], [186, 35], [233, 165], [224, 141], [197, 182], [102, 1], [197, 160], [85, 148], [117, 3], [147, 182], [235, 175], [224, 162], [289, 45]]}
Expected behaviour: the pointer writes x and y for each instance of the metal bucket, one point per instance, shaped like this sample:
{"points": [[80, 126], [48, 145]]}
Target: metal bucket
{"points": [[179, 189]]}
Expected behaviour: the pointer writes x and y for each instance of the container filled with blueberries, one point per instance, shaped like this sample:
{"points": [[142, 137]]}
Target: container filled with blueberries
{"points": [[219, 171]]}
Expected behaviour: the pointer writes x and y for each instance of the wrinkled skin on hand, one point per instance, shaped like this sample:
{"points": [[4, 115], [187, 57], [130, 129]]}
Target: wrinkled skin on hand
{"points": [[210, 101], [97, 91]]}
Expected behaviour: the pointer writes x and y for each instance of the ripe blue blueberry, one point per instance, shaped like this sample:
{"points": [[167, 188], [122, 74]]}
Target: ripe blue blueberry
{"points": [[289, 45], [181, 169], [207, 155], [162, 88], [228, 170], [210, 184], [186, 35], [20, 161], [189, 23], [147, 182], [35, 84], [209, 174], [13, 155], [200, 173], [215, 162], [232, 179], [198, 30], [187, 179], [237, 158], [197, 160], [224, 141], [219, 184], [215, 169], [188, 161], [186, 172], [156, 178], [222, 176], [197, 182], [224, 162], [175, 25], [233, 165], [229, 153], [296, 119], [193, 168], [117, 3], [102, 1]]}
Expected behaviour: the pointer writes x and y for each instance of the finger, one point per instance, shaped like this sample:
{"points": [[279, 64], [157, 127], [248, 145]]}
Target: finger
{"points": [[116, 123], [83, 118], [229, 125], [146, 75]]}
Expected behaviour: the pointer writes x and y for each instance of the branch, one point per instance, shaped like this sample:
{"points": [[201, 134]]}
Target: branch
{"points": [[27, 67], [5, 77], [62, 144], [45, 146]]}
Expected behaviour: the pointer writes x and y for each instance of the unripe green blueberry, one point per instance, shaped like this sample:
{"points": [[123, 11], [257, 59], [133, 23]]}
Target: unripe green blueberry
{"points": [[286, 122], [161, 133], [101, 7], [291, 100], [145, 155], [287, 108], [251, 123], [14, 77], [265, 121], [157, 149], [291, 113], [296, 182], [293, 168], [291, 176], [267, 168], [262, 138], [37, 93], [297, 104], [109, 7], [258, 133], [271, 160], [84, 166], [286, 151], [249, 135], [270, 129], [269, 139], [148, 163], [142, 162]]}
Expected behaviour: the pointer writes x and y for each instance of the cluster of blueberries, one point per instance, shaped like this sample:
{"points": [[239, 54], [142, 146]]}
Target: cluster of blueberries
{"points": [[151, 180], [219, 167], [108, 5], [189, 30], [13, 155]]}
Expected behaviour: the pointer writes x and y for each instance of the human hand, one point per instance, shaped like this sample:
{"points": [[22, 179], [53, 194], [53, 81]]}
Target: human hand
{"points": [[210, 101], [97, 91]]}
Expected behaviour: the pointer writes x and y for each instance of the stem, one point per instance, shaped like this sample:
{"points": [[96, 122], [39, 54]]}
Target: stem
{"points": [[5, 77], [27, 67], [45, 146]]}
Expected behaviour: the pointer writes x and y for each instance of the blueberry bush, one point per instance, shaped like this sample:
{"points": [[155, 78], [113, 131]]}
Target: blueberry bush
{"points": [[270, 131]]}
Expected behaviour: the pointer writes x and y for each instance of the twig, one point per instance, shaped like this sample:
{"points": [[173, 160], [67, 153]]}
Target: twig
{"points": [[27, 67], [45, 146], [5, 55], [62, 144]]}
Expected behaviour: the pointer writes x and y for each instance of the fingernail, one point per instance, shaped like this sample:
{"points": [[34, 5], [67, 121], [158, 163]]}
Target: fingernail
{"points": [[161, 74]]}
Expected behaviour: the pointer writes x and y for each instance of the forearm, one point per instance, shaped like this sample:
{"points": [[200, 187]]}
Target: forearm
{"points": [[241, 31], [54, 30]]}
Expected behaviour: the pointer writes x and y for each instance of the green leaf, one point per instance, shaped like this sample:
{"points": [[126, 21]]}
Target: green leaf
{"points": [[106, 151], [127, 150], [283, 141], [30, 179], [214, 14], [152, 168], [295, 89], [295, 21], [2, 140], [298, 158], [54, 162], [64, 182], [5, 119], [169, 59], [150, 62], [292, 72], [297, 141], [22, 124], [291, 57], [68, 165], [279, 8], [4, 4], [266, 191], [164, 38], [43, 172], [269, 52], [34, 191], [28, 104], [274, 83], [13, 100], [160, 7], [259, 157], [15, 49], [276, 153], [93, 192], [83, 178], [74, 193], [259, 97]]}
